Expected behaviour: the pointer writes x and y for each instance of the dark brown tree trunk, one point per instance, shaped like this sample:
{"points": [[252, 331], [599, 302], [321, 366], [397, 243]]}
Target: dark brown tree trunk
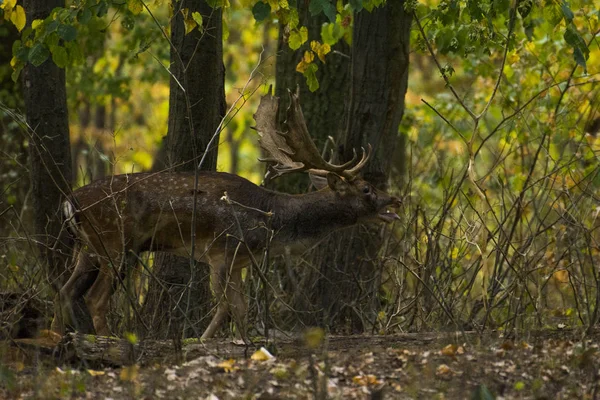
{"points": [[15, 182], [325, 109], [342, 287], [50, 155], [380, 59], [194, 117], [324, 112]]}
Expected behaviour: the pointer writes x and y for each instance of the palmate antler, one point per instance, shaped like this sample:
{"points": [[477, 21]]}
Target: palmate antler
{"points": [[293, 150]]}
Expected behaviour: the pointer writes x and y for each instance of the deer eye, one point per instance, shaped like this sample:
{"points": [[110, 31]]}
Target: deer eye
{"points": [[366, 190]]}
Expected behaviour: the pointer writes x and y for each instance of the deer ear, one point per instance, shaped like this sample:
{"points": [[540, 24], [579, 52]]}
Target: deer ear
{"points": [[318, 182], [337, 184]]}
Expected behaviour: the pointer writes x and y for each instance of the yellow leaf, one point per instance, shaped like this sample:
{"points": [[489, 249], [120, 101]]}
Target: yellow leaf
{"points": [[36, 22], [450, 350], [135, 6], [365, 380], [95, 373], [228, 365], [455, 253], [308, 58], [188, 21], [8, 4], [443, 371], [130, 373], [320, 49], [513, 57], [314, 337], [262, 354], [18, 18]]}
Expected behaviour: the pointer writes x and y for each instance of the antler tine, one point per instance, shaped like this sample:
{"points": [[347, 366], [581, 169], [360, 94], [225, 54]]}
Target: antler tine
{"points": [[302, 147], [294, 150], [366, 155]]}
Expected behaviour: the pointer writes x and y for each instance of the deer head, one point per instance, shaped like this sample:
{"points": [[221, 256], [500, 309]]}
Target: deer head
{"points": [[291, 149]]}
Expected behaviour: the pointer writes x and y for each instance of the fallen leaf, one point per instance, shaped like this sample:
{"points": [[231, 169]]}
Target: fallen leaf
{"points": [[228, 365], [262, 354]]}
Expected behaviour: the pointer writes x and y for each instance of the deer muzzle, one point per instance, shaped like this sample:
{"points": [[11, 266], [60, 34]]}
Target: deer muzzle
{"points": [[389, 216]]}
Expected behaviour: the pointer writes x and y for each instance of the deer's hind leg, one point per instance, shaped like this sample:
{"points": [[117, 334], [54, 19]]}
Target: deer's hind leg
{"points": [[71, 312]]}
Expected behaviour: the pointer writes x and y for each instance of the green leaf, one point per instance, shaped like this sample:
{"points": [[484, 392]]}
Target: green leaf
{"points": [[524, 8], [297, 38], [198, 19], [317, 6], [38, 54], [128, 22], [567, 11], [261, 11], [20, 51], [356, 5], [329, 11], [17, 71], [67, 32], [552, 14], [52, 26], [59, 56], [580, 49], [84, 16], [580, 59], [75, 53], [311, 77]]}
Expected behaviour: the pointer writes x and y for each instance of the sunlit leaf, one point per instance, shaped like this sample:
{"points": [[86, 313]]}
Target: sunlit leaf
{"points": [[18, 18], [297, 38], [36, 23], [59, 56], [8, 4], [228, 365], [320, 49], [129, 373], [135, 6], [262, 354]]}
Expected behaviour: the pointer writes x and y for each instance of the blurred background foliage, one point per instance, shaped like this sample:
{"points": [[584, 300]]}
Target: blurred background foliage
{"points": [[501, 218]]}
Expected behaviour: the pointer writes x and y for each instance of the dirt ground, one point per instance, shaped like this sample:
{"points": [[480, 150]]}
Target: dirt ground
{"points": [[545, 365]]}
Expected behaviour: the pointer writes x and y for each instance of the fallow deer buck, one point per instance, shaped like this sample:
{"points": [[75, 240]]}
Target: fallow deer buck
{"points": [[118, 217]]}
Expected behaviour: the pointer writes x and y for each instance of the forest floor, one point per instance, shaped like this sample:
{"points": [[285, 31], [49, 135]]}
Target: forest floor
{"points": [[560, 364]]}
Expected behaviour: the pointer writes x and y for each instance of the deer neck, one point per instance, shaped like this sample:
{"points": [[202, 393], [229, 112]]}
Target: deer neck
{"points": [[311, 215]]}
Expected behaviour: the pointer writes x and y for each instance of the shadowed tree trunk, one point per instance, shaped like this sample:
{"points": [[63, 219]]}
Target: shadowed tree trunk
{"points": [[342, 280], [196, 64], [45, 98], [380, 59], [324, 112]]}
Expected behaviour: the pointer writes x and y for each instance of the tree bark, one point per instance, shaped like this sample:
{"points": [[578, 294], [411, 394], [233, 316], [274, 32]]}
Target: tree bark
{"points": [[380, 59], [324, 109], [342, 287], [325, 113], [194, 116], [50, 156]]}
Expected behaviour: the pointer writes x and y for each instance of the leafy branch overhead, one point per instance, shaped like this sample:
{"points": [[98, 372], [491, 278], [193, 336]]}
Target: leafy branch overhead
{"points": [[471, 28], [477, 28]]}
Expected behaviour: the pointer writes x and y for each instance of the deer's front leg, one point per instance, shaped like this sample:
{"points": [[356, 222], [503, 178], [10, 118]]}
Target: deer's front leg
{"points": [[227, 287]]}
